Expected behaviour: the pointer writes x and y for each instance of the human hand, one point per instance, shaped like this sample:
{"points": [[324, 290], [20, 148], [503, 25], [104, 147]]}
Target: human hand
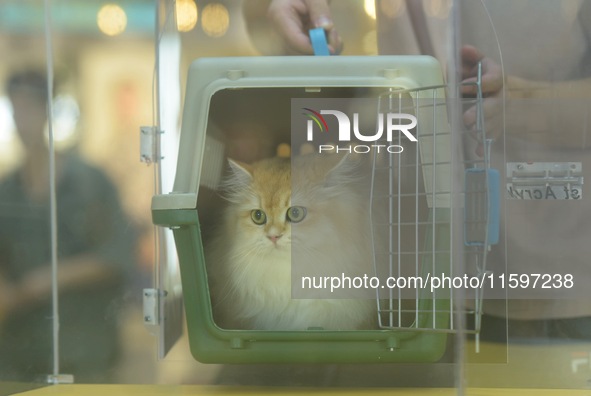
{"points": [[491, 87], [293, 19]]}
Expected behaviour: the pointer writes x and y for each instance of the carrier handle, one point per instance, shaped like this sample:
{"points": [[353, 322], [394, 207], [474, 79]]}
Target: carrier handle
{"points": [[319, 43]]}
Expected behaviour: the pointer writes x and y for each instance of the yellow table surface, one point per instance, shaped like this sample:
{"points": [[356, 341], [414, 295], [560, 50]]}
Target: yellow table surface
{"points": [[158, 390]]}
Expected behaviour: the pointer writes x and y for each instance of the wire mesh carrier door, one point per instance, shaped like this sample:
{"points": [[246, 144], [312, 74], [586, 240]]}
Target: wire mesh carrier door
{"points": [[410, 203], [417, 191]]}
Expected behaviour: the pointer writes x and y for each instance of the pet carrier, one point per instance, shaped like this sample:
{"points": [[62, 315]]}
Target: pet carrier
{"points": [[225, 97]]}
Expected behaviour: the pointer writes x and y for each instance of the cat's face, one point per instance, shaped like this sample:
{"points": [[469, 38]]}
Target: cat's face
{"points": [[262, 204], [275, 205]]}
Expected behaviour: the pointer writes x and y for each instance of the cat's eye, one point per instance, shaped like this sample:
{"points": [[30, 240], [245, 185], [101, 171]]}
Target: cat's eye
{"points": [[258, 217], [295, 214]]}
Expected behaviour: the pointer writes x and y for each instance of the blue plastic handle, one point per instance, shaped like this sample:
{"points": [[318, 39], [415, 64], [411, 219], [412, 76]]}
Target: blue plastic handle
{"points": [[319, 43]]}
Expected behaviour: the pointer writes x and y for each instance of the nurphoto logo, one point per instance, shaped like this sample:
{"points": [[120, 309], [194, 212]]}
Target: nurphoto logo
{"points": [[392, 125]]}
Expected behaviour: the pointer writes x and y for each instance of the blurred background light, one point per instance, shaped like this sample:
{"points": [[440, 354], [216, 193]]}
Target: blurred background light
{"points": [[111, 19], [186, 15], [370, 8], [7, 128], [215, 19], [66, 114]]}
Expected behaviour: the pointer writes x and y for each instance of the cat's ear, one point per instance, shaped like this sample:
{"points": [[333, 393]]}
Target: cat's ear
{"points": [[240, 172], [237, 181]]}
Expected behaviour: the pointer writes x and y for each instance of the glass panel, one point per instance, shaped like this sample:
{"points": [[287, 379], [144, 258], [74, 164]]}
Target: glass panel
{"points": [[103, 69], [111, 71], [536, 313], [28, 249], [167, 277], [25, 248]]}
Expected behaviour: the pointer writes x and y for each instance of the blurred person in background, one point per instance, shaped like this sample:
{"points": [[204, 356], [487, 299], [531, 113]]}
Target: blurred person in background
{"points": [[95, 249]]}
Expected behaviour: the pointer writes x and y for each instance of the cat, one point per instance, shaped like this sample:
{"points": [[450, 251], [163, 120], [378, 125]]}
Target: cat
{"points": [[317, 211]]}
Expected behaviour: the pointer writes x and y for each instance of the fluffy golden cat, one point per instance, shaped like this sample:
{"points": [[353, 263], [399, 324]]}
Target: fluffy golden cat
{"points": [[315, 216]]}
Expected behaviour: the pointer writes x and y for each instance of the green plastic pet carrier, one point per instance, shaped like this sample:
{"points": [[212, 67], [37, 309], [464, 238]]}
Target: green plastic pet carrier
{"points": [[228, 97]]}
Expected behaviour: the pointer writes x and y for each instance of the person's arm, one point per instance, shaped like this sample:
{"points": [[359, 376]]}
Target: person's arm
{"points": [[81, 272], [106, 241]]}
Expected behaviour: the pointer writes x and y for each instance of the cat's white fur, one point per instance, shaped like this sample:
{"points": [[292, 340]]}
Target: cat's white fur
{"points": [[250, 274]]}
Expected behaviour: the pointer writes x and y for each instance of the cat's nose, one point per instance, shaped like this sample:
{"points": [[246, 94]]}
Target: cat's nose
{"points": [[274, 238]]}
